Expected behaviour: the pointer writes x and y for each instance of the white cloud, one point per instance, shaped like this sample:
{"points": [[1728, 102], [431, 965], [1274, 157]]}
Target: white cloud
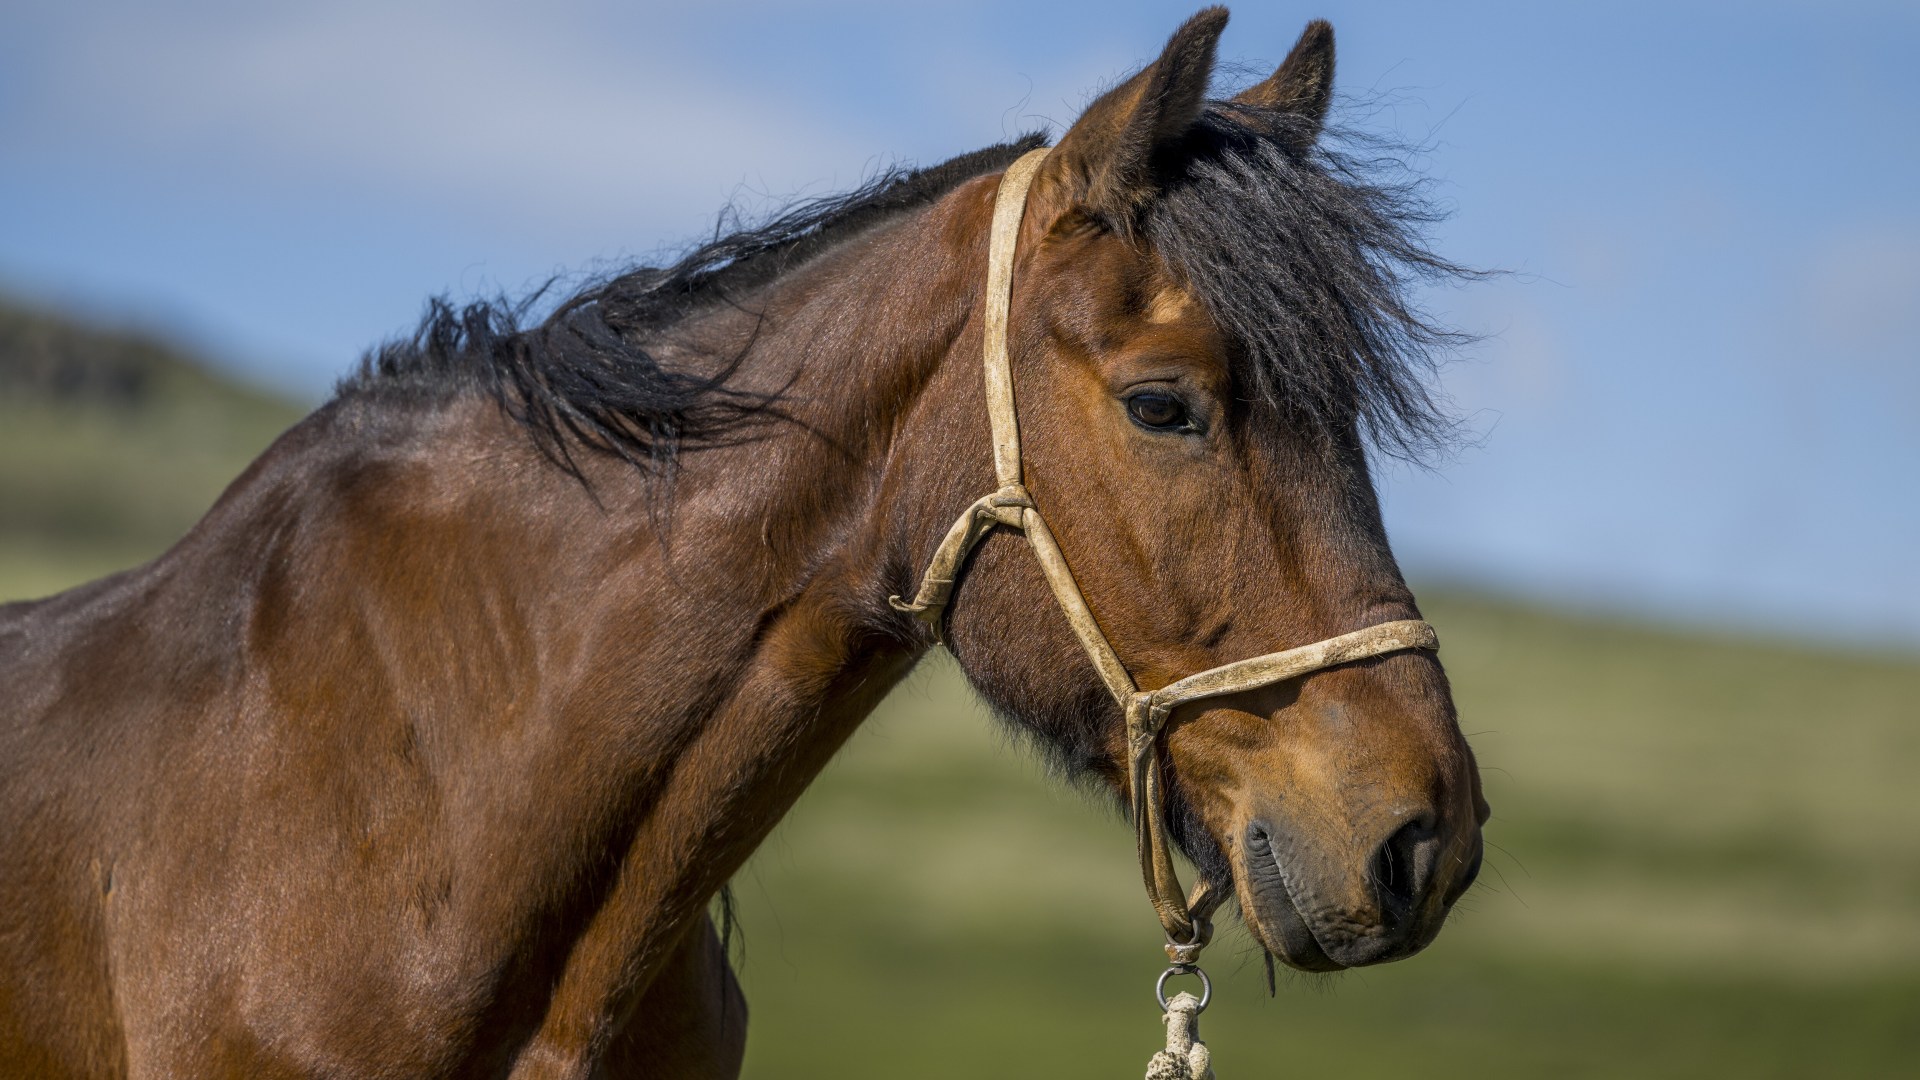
{"points": [[595, 113], [506, 108]]}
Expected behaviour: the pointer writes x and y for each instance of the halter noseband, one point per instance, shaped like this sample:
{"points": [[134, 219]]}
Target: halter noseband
{"points": [[1183, 917]]}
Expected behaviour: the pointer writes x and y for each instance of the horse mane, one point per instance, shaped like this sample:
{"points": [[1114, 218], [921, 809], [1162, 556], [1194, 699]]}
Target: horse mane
{"points": [[1305, 257], [584, 375], [1306, 249]]}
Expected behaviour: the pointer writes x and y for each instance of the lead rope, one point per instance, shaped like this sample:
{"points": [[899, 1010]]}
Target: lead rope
{"points": [[1183, 916], [1186, 1057]]}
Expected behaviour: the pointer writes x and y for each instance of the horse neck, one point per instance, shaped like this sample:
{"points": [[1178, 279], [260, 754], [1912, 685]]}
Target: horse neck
{"points": [[700, 659], [860, 354], [802, 524]]}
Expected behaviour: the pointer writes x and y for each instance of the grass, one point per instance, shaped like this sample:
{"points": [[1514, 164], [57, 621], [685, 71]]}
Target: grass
{"points": [[87, 488], [1706, 862]]}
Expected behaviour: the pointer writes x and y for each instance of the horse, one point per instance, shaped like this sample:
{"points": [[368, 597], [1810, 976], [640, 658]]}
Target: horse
{"points": [[426, 751]]}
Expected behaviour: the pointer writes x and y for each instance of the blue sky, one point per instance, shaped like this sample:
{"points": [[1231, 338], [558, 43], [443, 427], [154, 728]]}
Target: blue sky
{"points": [[1700, 396]]}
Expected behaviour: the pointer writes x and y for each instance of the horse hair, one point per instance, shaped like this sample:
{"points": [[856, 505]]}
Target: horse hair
{"points": [[584, 376], [1305, 258]]}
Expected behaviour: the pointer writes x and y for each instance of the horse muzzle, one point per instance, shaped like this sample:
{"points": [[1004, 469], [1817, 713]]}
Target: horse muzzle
{"points": [[1330, 903]]}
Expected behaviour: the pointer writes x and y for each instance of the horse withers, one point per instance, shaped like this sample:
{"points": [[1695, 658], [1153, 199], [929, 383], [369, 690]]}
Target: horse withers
{"points": [[425, 751]]}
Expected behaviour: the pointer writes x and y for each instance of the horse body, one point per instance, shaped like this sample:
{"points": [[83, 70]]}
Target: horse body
{"points": [[425, 751], [297, 778]]}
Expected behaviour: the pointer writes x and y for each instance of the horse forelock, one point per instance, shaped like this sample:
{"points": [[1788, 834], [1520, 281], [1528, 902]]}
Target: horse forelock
{"points": [[1310, 264]]}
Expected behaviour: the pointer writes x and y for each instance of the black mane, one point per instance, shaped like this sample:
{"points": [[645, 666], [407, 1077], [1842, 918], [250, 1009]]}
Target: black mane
{"points": [[1306, 259], [584, 375]]}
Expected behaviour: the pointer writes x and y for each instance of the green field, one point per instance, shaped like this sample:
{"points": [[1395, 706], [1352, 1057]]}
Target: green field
{"points": [[111, 445], [1706, 854], [1707, 863]]}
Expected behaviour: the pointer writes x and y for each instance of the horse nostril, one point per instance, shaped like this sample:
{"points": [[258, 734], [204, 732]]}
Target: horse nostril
{"points": [[1399, 871]]}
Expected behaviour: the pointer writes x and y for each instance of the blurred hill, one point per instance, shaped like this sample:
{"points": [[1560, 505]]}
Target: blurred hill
{"points": [[112, 443], [1706, 850]]}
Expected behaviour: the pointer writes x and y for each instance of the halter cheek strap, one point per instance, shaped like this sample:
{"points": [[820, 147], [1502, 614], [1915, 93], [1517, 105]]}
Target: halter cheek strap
{"points": [[1183, 917]]}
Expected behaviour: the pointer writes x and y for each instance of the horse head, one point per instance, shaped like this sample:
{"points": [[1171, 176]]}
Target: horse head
{"points": [[1208, 331]]}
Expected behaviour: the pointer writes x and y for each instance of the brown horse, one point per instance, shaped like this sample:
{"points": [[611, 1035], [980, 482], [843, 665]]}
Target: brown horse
{"points": [[424, 753]]}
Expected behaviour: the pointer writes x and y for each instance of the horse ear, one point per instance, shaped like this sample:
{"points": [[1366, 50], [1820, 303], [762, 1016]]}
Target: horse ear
{"points": [[1103, 165], [1302, 84]]}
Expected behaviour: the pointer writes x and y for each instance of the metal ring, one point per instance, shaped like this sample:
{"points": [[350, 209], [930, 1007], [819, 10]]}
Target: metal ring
{"points": [[1187, 953], [1160, 987]]}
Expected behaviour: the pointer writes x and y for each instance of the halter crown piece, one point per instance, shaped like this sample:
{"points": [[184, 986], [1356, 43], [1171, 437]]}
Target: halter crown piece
{"points": [[1183, 917]]}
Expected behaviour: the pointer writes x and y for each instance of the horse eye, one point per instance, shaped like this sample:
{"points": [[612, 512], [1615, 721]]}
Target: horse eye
{"points": [[1161, 412]]}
